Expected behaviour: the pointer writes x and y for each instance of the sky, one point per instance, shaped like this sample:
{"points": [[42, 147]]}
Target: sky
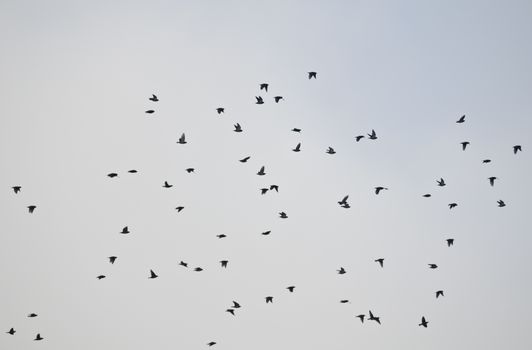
{"points": [[76, 78]]}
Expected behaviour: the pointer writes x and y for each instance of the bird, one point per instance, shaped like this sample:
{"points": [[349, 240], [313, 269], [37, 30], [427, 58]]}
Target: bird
{"points": [[264, 86], [341, 271], [361, 317], [359, 137], [182, 140], [100, 277], [189, 170], [501, 203], [263, 190], [231, 311], [261, 171], [433, 266], [274, 187], [344, 200], [220, 110], [517, 148], [296, 130], [259, 100], [150, 111], [344, 301], [379, 188], [492, 180], [221, 236], [312, 75], [16, 189], [179, 208], [236, 305], [427, 195], [486, 161], [373, 318], [331, 150], [31, 208], [125, 230], [32, 315], [238, 128], [441, 182], [298, 148], [373, 135], [198, 269], [153, 98], [182, 263], [278, 98], [424, 322], [265, 233], [291, 289], [453, 205], [464, 145], [380, 261], [244, 160], [112, 259], [450, 241], [211, 343], [132, 171], [269, 300], [167, 185], [152, 275], [461, 120], [111, 175], [224, 263], [11, 331], [38, 337], [283, 215], [439, 293]]}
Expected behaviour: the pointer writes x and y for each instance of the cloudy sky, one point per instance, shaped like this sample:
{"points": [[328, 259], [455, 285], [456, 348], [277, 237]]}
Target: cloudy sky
{"points": [[75, 81]]}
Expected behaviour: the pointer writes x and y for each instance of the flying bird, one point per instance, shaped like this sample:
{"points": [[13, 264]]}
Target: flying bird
{"points": [[517, 148], [359, 137], [198, 269], [211, 343], [243, 160], [380, 261], [100, 277], [373, 135], [150, 111], [344, 200], [179, 208], [259, 100], [373, 318], [153, 98], [291, 289], [38, 337], [298, 148], [433, 266], [238, 128], [152, 275], [263, 191], [236, 305], [31, 208], [224, 263], [453, 205], [231, 311], [261, 171], [461, 120], [274, 187], [132, 171], [125, 230], [450, 241], [312, 75], [331, 150], [380, 188], [441, 182], [266, 233], [264, 86], [427, 195], [278, 98], [464, 145], [189, 170], [11, 331], [486, 161], [501, 203], [269, 300], [182, 263], [361, 318], [344, 301], [167, 185], [32, 315], [221, 236], [424, 322], [283, 215], [439, 293], [16, 189], [112, 259], [296, 130], [182, 140], [341, 271], [111, 175], [492, 180], [220, 110]]}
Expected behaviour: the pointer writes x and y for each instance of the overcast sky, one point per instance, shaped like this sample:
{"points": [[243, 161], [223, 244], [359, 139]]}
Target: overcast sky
{"points": [[75, 82]]}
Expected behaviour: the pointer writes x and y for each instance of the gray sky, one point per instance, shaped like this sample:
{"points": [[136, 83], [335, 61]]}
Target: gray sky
{"points": [[76, 77]]}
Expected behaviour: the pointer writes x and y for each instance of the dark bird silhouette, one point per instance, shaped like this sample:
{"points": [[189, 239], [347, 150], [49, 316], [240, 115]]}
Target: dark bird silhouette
{"points": [[517, 148], [331, 150], [373, 135], [11, 331], [221, 236], [461, 120], [182, 140], [238, 128], [112, 259], [278, 98], [424, 322], [154, 98], [182, 263], [16, 189], [441, 182], [167, 185], [231, 311], [265, 233], [380, 188], [291, 289], [132, 171], [501, 203], [152, 275], [198, 269], [359, 137], [224, 263], [263, 190], [38, 337], [100, 277], [243, 160], [189, 170], [32, 315], [211, 343], [373, 318], [261, 171], [433, 266], [283, 215], [486, 161], [259, 100], [220, 110], [464, 145], [125, 230], [450, 241], [150, 111], [492, 180], [269, 300], [341, 271], [264, 86], [236, 305], [111, 175], [344, 301], [344, 200], [380, 261], [427, 195], [274, 187], [312, 75], [453, 205], [361, 318], [296, 130], [298, 148], [179, 208], [31, 208], [439, 293]]}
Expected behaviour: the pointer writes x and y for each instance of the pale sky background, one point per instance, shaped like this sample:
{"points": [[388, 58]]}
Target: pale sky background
{"points": [[75, 82]]}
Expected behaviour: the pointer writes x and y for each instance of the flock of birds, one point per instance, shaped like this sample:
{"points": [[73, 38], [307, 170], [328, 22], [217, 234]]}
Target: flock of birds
{"points": [[262, 171]]}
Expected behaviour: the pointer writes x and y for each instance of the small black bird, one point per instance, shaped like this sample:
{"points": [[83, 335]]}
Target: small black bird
{"points": [[211, 343], [433, 266], [189, 170], [38, 337], [450, 241], [361, 318], [439, 293], [198, 269], [31, 208], [236, 305], [220, 110], [269, 300], [182, 263], [492, 180], [278, 98], [312, 75], [298, 148], [11, 331], [344, 200], [182, 140], [453, 205], [231, 311], [238, 128], [274, 187], [464, 145], [501, 203], [380, 188], [266, 233], [296, 130], [16, 189], [373, 318], [331, 150], [154, 98], [344, 301], [224, 263], [263, 190], [261, 171], [373, 135], [179, 208], [517, 148], [150, 111], [132, 171], [359, 137], [441, 182], [341, 271], [264, 86], [486, 161], [152, 275], [283, 215], [424, 322], [167, 185], [221, 236], [243, 160], [427, 195], [111, 175], [259, 100], [461, 120], [125, 230], [291, 289], [32, 315], [112, 259], [380, 261], [100, 277]]}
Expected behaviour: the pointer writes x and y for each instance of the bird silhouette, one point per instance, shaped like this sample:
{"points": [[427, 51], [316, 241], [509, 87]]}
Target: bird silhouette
{"points": [[265, 233], [11, 331], [264, 86], [16, 189], [439, 293], [331, 150], [182, 140], [261, 171], [461, 120], [182, 263], [298, 148], [274, 187], [179, 208], [359, 137], [38, 337], [198, 269], [189, 170], [238, 128], [236, 305], [433, 266], [492, 180], [269, 300], [373, 318], [501, 203], [424, 322], [111, 175], [464, 145], [244, 160], [296, 130], [221, 236], [453, 205], [344, 200], [112, 259], [220, 110], [154, 98], [344, 301], [427, 195], [380, 261], [263, 190], [152, 275], [224, 263], [486, 161], [231, 311], [380, 188], [517, 148], [291, 289], [211, 343], [373, 135], [150, 111], [31, 208], [32, 315], [278, 98], [361, 318], [100, 277], [259, 100], [341, 271], [283, 215], [450, 241], [312, 75], [441, 182], [125, 230], [132, 171], [167, 185]]}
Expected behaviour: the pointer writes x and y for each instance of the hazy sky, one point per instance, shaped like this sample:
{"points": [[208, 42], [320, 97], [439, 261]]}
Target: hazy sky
{"points": [[75, 81]]}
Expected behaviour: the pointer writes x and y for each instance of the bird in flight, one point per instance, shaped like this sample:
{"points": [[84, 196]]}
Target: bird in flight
{"points": [[312, 75], [32, 315], [380, 188], [291, 289], [343, 202], [517, 148], [450, 241], [220, 110], [373, 135], [433, 266], [112, 259], [111, 175], [125, 230], [341, 271], [224, 263], [189, 170], [132, 171], [373, 318], [150, 111], [244, 160], [167, 185], [274, 187], [441, 182], [182, 263], [298, 148], [278, 98], [236, 305], [361, 318], [331, 150], [344, 301], [439, 293], [198, 269], [100, 277], [182, 140], [11, 331], [265, 233], [424, 322], [221, 235], [501, 203], [179, 208], [427, 195], [486, 161], [238, 128], [269, 300], [296, 130], [263, 191], [261, 171], [359, 137], [461, 120], [154, 98], [380, 261], [464, 145], [452, 205], [283, 215], [211, 343], [492, 180], [31, 208], [16, 189], [264, 86], [153, 275], [259, 100], [231, 311], [38, 337]]}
